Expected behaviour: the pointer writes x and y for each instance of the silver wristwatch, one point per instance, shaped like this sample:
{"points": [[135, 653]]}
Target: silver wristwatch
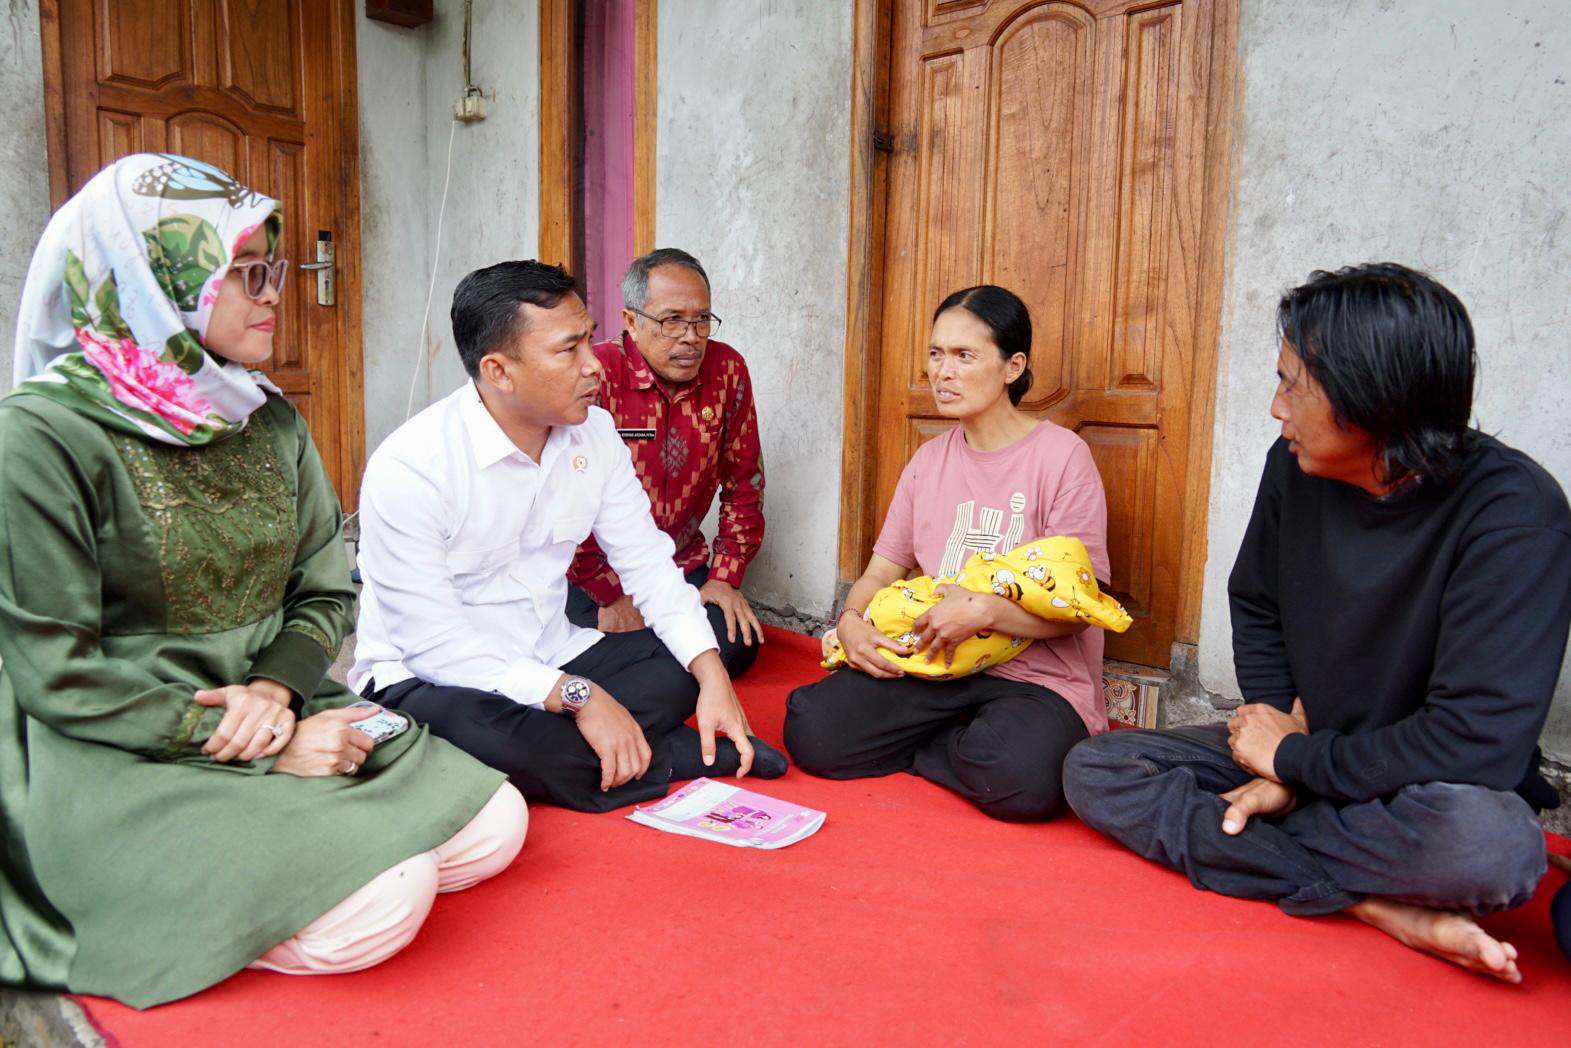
{"points": [[575, 695]]}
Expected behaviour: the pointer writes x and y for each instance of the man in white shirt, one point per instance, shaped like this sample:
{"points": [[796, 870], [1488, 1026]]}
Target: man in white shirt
{"points": [[469, 517]]}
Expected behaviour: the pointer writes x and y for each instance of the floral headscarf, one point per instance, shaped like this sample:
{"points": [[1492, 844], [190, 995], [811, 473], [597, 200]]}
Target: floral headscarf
{"points": [[119, 294]]}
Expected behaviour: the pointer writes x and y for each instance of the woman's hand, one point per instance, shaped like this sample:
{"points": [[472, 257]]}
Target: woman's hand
{"points": [[255, 723], [958, 617], [328, 744], [862, 643]]}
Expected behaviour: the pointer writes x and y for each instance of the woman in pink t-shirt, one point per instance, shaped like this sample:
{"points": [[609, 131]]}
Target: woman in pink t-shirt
{"points": [[999, 478]]}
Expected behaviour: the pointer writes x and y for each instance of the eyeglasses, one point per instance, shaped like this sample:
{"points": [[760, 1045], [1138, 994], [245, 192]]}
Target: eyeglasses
{"points": [[676, 327], [256, 277]]}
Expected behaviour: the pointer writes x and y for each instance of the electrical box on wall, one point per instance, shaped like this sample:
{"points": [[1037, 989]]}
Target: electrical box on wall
{"points": [[409, 13]]}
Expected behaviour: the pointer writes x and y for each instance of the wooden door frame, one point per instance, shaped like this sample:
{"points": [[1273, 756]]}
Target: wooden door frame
{"points": [[558, 114], [349, 442], [873, 26]]}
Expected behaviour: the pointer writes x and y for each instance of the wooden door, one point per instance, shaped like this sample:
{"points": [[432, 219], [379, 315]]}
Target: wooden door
{"points": [[1061, 150], [264, 89]]}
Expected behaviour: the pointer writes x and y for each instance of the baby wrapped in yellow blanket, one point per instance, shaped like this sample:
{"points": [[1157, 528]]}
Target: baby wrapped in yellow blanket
{"points": [[1052, 578]]}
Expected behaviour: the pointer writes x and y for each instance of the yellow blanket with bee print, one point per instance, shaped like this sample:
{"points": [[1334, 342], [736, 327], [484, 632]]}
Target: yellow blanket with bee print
{"points": [[1051, 577]]}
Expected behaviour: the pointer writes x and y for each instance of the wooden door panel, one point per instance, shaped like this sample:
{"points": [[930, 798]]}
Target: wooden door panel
{"points": [[145, 45], [949, 210], [285, 179], [1146, 170], [259, 90], [1057, 149], [1126, 458], [1040, 116], [258, 53], [119, 133], [205, 136]]}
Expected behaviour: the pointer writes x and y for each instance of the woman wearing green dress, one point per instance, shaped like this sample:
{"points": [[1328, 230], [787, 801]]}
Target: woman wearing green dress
{"points": [[182, 792]]}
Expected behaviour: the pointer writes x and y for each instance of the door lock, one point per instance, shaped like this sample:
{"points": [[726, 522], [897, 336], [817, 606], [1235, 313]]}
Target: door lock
{"points": [[323, 268]]}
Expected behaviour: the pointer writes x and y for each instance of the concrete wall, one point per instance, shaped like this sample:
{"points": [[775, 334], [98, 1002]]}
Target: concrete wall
{"points": [[493, 205], [394, 215], [24, 177], [409, 80], [1433, 135], [753, 178]]}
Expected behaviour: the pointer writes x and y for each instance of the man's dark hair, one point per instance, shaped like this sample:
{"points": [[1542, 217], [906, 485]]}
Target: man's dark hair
{"points": [[1393, 349], [635, 282], [1008, 320], [486, 315]]}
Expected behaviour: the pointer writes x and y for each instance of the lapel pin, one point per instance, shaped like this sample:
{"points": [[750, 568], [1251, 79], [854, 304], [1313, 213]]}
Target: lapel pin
{"points": [[580, 463]]}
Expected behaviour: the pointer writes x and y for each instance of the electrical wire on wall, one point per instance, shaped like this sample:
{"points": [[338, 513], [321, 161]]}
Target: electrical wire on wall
{"points": [[430, 291], [469, 108]]}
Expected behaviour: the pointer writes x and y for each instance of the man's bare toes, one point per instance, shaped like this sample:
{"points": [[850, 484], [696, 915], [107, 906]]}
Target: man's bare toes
{"points": [[1452, 937]]}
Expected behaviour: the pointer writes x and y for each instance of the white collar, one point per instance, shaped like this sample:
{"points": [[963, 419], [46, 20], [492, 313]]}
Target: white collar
{"points": [[488, 441]]}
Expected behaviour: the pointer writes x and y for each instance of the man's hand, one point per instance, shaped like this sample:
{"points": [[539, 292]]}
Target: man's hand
{"points": [[719, 710], [615, 737], [1256, 730], [620, 616], [941, 628], [1255, 797], [328, 743], [254, 724], [738, 612], [862, 642]]}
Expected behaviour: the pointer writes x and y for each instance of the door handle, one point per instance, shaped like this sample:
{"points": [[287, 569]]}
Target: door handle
{"points": [[323, 268]]}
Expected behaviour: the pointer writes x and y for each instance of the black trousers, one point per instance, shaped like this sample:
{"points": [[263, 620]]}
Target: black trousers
{"points": [[543, 753], [737, 656], [1438, 844], [998, 743]]}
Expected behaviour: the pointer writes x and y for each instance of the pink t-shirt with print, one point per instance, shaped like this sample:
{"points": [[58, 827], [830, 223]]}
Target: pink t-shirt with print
{"points": [[953, 501]]}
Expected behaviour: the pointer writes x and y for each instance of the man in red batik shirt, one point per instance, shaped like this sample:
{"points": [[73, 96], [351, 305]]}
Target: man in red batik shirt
{"points": [[684, 405]]}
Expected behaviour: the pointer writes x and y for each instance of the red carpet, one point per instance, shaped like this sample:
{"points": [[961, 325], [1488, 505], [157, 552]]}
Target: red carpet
{"points": [[909, 918]]}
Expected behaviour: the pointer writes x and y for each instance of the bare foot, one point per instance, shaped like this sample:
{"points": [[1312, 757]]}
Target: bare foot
{"points": [[1450, 936]]}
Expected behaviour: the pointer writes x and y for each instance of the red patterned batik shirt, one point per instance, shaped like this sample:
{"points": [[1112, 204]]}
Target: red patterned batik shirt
{"points": [[687, 443]]}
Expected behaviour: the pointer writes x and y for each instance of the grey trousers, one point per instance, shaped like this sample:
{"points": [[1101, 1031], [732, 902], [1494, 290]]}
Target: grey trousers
{"points": [[1437, 844]]}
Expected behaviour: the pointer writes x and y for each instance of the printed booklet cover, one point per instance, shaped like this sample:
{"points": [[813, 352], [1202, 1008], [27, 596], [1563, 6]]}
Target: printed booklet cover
{"points": [[718, 811]]}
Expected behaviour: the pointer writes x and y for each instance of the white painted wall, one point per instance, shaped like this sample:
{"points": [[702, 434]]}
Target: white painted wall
{"points": [[24, 176], [394, 214], [1433, 135], [753, 175], [493, 204], [409, 80]]}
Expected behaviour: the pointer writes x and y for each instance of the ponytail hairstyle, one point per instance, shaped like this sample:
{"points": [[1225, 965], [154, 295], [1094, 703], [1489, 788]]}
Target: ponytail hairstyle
{"points": [[1006, 317]]}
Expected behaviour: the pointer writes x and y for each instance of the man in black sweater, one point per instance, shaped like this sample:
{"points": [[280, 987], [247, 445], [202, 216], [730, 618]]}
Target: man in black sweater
{"points": [[1400, 608]]}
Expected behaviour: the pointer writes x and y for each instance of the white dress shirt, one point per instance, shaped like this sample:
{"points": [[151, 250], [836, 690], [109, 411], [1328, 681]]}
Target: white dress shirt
{"points": [[465, 544]]}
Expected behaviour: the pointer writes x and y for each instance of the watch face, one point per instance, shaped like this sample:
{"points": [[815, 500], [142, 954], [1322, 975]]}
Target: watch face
{"points": [[575, 692]]}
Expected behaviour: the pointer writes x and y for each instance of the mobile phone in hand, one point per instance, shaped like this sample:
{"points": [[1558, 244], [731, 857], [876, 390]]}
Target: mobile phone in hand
{"points": [[380, 726]]}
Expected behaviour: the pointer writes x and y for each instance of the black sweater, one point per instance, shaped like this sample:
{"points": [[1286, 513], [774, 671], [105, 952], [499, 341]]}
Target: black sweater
{"points": [[1424, 631]]}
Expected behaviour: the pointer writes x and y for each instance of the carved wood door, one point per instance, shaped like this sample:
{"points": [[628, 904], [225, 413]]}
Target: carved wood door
{"points": [[264, 89], [1058, 149]]}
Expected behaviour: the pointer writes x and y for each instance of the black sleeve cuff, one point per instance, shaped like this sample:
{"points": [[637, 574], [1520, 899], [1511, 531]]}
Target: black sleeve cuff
{"points": [[1288, 763]]}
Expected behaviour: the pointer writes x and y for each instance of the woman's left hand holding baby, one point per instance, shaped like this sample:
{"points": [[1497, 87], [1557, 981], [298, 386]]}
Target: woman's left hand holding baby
{"points": [[959, 616]]}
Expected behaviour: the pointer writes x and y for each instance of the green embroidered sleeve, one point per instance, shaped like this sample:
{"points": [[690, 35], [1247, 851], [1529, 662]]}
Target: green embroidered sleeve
{"points": [[319, 598], [50, 607]]}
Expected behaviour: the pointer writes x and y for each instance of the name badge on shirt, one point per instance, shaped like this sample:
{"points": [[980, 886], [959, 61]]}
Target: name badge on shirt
{"points": [[636, 434]]}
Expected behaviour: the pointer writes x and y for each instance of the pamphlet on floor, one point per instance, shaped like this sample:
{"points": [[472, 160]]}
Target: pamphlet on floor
{"points": [[718, 811]]}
